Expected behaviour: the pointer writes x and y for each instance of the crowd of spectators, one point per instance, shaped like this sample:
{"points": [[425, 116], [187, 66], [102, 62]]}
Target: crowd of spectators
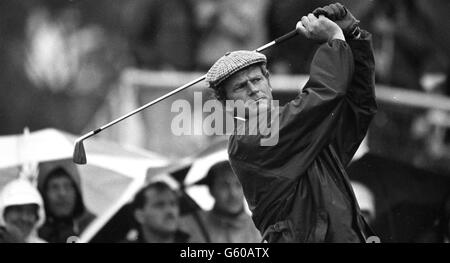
{"points": [[411, 42], [409, 36]]}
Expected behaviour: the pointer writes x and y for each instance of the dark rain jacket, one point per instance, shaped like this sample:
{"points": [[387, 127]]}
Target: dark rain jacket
{"points": [[298, 189]]}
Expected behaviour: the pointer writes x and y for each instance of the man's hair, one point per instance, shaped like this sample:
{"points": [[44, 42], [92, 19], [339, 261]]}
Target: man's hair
{"points": [[215, 171], [59, 170], [140, 199], [219, 92]]}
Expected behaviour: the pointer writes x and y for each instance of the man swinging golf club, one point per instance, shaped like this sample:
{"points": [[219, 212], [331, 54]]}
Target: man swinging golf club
{"points": [[297, 189]]}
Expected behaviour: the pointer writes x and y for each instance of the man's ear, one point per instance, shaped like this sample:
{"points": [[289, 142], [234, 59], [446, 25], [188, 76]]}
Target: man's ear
{"points": [[139, 216]]}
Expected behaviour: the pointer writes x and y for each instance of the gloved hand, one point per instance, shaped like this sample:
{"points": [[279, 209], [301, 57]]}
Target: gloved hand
{"points": [[340, 15], [321, 29]]}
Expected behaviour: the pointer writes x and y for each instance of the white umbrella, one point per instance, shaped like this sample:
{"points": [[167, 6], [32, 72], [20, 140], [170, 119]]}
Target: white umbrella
{"points": [[111, 170], [213, 154]]}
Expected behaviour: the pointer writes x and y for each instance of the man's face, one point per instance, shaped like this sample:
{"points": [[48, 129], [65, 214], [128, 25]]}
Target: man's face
{"points": [[227, 192], [22, 217], [61, 196], [160, 212], [248, 85]]}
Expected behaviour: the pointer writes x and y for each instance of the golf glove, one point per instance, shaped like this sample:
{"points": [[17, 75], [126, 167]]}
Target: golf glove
{"points": [[342, 17]]}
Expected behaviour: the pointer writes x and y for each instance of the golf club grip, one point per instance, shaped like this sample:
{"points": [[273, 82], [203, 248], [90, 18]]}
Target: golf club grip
{"points": [[287, 36], [279, 40]]}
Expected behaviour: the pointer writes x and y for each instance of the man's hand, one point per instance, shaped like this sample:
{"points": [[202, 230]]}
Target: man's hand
{"points": [[339, 14], [321, 29]]}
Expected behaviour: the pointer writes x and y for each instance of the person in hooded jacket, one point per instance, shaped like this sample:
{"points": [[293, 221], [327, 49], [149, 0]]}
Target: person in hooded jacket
{"points": [[67, 215], [21, 212]]}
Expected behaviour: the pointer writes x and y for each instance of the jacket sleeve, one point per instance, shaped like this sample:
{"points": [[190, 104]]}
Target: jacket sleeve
{"points": [[360, 104], [307, 123]]}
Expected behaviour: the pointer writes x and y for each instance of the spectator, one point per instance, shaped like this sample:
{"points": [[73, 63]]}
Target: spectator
{"points": [[156, 211], [166, 38], [66, 213], [227, 222], [410, 40], [228, 25], [21, 213]]}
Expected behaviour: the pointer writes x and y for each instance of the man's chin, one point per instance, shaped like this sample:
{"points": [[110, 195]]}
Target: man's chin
{"points": [[263, 104], [169, 230], [63, 214], [24, 232], [254, 103], [259, 105], [234, 209], [170, 225]]}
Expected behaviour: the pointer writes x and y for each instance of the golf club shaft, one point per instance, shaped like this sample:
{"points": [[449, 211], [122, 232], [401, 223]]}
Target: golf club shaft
{"points": [[279, 40], [185, 86]]}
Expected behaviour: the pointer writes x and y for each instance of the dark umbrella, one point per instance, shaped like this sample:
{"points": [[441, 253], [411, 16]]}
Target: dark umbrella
{"points": [[407, 198]]}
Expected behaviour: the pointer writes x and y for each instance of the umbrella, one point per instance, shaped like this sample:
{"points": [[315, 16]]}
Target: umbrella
{"points": [[119, 222], [183, 174], [199, 168], [111, 172], [407, 198]]}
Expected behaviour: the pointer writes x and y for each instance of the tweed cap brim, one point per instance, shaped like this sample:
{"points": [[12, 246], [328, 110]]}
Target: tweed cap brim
{"points": [[231, 63]]}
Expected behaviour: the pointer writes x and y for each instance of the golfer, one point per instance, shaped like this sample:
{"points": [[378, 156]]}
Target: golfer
{"points": [[297, 189]]}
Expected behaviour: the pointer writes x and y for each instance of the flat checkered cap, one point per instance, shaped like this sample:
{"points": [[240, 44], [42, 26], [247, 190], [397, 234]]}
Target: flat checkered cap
{"points": [[231, 63]]}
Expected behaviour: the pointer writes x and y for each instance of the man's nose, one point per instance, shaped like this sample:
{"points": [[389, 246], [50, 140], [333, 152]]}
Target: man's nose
{"points": [[252, 89], [235, 191], [61, 192], [26, 217], [172, 209]]}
